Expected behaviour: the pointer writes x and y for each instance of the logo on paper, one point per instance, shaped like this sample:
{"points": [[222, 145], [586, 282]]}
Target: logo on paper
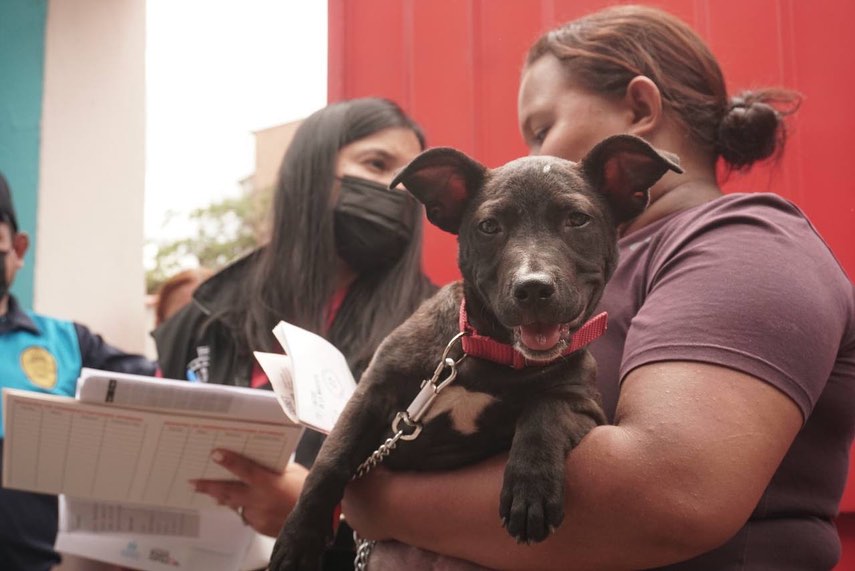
{"points": [[160, 555], [131, 551]]}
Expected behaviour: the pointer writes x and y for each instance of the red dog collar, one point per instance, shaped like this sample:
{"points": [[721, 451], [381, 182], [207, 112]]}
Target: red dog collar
{"points": [[482, 347]]}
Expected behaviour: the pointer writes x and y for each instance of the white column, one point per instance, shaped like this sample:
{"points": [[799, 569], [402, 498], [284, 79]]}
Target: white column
{"points": [[90, 209]]}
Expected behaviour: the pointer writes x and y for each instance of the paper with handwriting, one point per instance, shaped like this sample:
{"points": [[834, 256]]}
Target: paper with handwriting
{"points": [[313, 375]]}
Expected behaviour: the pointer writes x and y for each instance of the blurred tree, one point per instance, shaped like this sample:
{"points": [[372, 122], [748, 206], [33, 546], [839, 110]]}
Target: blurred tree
{"points": [[218, 233]]}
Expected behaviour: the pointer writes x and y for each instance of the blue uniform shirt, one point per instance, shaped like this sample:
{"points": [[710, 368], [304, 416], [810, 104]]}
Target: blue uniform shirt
{"points": [[44, 354], [39, 354]]}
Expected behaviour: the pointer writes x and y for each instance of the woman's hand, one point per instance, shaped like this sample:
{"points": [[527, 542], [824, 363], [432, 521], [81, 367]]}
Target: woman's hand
{"points": [[263, 497]]}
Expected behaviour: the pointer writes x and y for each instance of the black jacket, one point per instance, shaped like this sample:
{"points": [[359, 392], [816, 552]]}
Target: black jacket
{"points": [[199, 342]]}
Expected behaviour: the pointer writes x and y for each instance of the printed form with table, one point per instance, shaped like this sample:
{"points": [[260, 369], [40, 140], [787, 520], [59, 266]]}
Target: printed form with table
{"points": [[122, 454]]}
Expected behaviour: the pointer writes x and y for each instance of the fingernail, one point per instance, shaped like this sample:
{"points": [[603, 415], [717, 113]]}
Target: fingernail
{"points": [[217, 456]]}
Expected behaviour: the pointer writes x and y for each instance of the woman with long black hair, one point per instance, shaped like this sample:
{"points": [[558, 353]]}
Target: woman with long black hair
{"points": [[343, 261]]}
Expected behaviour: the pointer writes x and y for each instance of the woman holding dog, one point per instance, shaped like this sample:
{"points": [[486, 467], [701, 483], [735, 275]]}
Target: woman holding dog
{"points": [[344, 261], [728, 369]]}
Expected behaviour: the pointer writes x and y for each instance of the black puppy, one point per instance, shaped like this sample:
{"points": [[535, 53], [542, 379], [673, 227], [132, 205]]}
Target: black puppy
{"points": [[537, 243]]}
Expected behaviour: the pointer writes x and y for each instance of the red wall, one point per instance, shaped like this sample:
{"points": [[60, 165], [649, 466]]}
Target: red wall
{"points": [[454, 65]]}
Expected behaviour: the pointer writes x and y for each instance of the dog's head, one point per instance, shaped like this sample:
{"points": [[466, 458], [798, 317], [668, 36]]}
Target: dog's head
{"points": [[537, 236]]}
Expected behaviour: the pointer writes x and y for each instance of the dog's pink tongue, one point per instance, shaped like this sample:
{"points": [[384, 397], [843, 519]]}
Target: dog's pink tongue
{"points": [[540, 337]]}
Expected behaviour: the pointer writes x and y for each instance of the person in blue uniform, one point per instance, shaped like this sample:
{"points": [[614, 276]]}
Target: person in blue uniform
{"points": [[41, 354]]}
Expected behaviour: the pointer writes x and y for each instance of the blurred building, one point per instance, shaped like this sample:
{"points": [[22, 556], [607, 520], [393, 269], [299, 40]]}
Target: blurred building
{"points": [[270, 146]]}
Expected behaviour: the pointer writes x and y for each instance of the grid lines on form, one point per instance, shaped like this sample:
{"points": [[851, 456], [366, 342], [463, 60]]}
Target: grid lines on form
{"points": [[53, 448], [268, 447], [26, 420], [123, 438]]}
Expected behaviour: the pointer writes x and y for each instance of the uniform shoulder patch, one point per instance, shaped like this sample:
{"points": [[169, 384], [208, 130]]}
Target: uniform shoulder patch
{"points": [[40, 366]]}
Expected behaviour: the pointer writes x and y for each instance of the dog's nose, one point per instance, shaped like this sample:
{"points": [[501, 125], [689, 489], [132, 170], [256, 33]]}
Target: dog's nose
{"points": [[532, 290]]}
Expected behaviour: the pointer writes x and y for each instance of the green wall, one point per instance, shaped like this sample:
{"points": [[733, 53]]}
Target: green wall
{"points": [[22, 50]]}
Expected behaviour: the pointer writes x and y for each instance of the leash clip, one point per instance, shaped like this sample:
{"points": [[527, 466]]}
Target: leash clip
{"points": [[417, 409], [415, 427], [430, 389]]}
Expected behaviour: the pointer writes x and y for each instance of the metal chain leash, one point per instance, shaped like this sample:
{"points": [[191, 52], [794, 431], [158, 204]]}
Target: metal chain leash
{"points": [[363, 552], [378, 455], [412, 419]]}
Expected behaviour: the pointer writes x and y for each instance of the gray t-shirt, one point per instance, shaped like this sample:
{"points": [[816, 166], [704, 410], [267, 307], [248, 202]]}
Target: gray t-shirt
{"points": [[746, 282]]}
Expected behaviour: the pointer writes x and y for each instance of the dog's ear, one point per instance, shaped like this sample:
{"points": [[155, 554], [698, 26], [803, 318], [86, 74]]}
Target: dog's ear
{"points": [[443, 179], [623, 168]]}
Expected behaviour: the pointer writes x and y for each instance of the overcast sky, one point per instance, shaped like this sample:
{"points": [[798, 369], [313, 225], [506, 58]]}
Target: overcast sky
{"points": [[215, 72]]}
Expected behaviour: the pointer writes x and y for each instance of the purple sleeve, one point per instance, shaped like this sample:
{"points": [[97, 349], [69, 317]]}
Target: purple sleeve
{"points": [[749, 286]]}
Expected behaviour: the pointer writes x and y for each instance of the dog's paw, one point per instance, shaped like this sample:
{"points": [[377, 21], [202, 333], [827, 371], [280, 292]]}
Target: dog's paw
{"points": [[297, 551], [532, 502]]}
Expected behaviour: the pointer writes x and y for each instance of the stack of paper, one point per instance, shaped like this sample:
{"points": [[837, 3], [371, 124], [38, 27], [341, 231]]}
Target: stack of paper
{"points": [[122, 454], [122, 450]]}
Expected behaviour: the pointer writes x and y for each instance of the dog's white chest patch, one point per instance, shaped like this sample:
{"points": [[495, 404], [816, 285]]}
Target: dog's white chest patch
{"points": [[463, 406]]}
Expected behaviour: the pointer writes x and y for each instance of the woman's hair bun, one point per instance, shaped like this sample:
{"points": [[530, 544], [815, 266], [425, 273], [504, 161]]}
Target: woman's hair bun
{"points": [[750, 130], [753, 127]]}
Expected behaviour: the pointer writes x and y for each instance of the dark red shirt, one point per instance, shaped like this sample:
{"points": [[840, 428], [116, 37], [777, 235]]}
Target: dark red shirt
{"points": [[747, 283]]}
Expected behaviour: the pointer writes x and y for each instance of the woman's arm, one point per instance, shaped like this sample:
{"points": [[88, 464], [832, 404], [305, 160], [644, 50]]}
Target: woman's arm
{"points": [[693, 448]]}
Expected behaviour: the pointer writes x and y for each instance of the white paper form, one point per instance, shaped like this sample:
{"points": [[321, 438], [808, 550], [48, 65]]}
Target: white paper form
{"points": [[148, 553], [277, 367], [109, 517], [193, 421], [223, 545], [59, 445], [151, 393], [321, 379], [222, 542]]}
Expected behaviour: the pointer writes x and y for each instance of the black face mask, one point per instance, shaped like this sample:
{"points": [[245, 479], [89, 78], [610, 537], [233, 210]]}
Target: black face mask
{"points": [[4, 285], [373, 224]]}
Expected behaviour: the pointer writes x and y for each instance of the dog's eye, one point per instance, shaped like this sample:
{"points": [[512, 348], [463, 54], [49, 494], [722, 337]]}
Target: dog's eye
{"points": [[489, 226], [578, 219]]}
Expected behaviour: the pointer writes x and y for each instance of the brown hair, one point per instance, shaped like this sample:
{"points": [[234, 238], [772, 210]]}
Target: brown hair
{"points": [[192, 277], [605, 50]]}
